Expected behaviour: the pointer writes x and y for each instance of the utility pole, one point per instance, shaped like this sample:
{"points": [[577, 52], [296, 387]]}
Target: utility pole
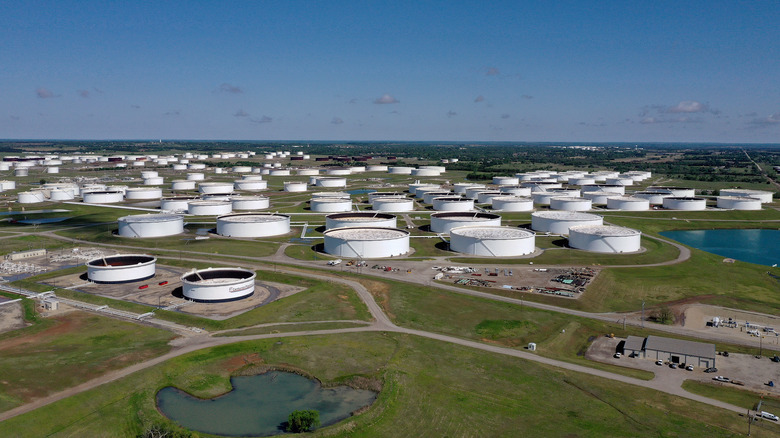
{"points": [[643, 314]]}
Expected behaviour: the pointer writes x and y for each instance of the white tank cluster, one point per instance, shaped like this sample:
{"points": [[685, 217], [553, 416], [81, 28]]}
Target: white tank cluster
{"points": [[253, 225], [150, 225], [460, 188], [360, 219], [677, 192], [444, 222], [492, 241], [122, 268], [604, 239], [559, 222], [761, 195], [214, 285], [366, 242], [685, 203], [176, 204]]}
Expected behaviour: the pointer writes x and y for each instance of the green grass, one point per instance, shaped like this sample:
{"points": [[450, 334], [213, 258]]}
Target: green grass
{"points": [[429, 387], [70, 349], [728, 393], [287, 328]]}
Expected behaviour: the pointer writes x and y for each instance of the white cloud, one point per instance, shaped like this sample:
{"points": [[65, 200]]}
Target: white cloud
{"points": [[386, 99], [688, 106]]}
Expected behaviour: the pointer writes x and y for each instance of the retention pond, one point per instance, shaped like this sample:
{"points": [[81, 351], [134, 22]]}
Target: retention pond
{"points": [[753, 246], [260, 405]]}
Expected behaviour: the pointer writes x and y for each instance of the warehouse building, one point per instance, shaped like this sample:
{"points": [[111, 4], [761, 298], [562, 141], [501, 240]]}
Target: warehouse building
{"points": [[698, 354]]}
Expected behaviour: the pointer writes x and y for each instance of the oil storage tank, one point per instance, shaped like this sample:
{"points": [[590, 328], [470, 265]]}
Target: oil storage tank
{"points": [[183, 184], [628, 203], [512, 203], [366, 242], [103, 197], [392, 205], [330, 205], [445, 221], [214, 285], [685, 203], [738, 203], [253, 225], [677, 192], [452, 203], [360, 219], [176, 204], [209, 207], [249, 185], [249, 202], [138, 193], [559, 222], [121, 268], [150, 225], [762, 195], [210, 188], [567, 203], [604, 238], [492, 241]]}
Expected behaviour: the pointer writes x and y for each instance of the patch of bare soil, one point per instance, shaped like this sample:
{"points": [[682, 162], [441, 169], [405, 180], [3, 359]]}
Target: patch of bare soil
{"points": [[11, 317]]}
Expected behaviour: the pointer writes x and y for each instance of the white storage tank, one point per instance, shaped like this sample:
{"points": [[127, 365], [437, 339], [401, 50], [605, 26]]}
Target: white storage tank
{"points": [[154, 181], [628, 203], [506, 180], [253, 225], [360, 219], [761, 195], [250, 202], [418, 185], [582, 181], [473, 192], [543, 197], [685, 203], [176, 204], [425, 172], [524, 192], [654, 198], [604, 188], [332, 195], [512, 203], [61, 195], [492, 241], [571, 192], [452, 203], [53, 169], [738, 203], [620, 181], [339, 171], [7, 185], [307, 172], [179, 167], [196, 166], [242, 169], [559, 222], [210, 188], [217, 285], [460, 188], [280, 172], [21, 172], [376, 168], [103, 197], [248, 185], [366, 242], [326, 181], [399, 170], [295, 186], [31, 197], [330, 205], [357, 169], [677, 192], [541, 186], [605, 239], [419, 192], [485, 197], [445, 221], [150, 225], [136, 193], [374, 195], [209, 207], [196, 176], [392, 205], [146, 174], [428, 196], [567, 203], [121, 268]]}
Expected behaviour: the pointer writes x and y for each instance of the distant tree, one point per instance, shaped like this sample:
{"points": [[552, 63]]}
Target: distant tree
{"points": [[303, 421], [663, 315]]}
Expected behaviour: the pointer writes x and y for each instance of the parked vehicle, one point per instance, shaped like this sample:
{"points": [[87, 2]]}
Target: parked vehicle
{"points": [[673, 366], [689, 368], [769, 416], [617, 355], [721, 379], [711, 370], [775, 358], [659, 362]]}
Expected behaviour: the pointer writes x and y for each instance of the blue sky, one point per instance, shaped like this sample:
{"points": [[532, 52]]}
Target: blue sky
{"points": [[337, 70]]}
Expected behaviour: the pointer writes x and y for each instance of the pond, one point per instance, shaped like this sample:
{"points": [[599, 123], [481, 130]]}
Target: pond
{"points": [[753, 246], [259, 405]]}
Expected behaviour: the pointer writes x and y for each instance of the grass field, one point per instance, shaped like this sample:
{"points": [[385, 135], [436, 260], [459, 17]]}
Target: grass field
{"points": [[63, 351], [729, 394], [429, 388]]}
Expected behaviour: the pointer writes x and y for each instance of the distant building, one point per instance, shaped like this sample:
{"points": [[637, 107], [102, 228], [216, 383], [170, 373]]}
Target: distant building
{"points": [[26, 254], [673, 350]]}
